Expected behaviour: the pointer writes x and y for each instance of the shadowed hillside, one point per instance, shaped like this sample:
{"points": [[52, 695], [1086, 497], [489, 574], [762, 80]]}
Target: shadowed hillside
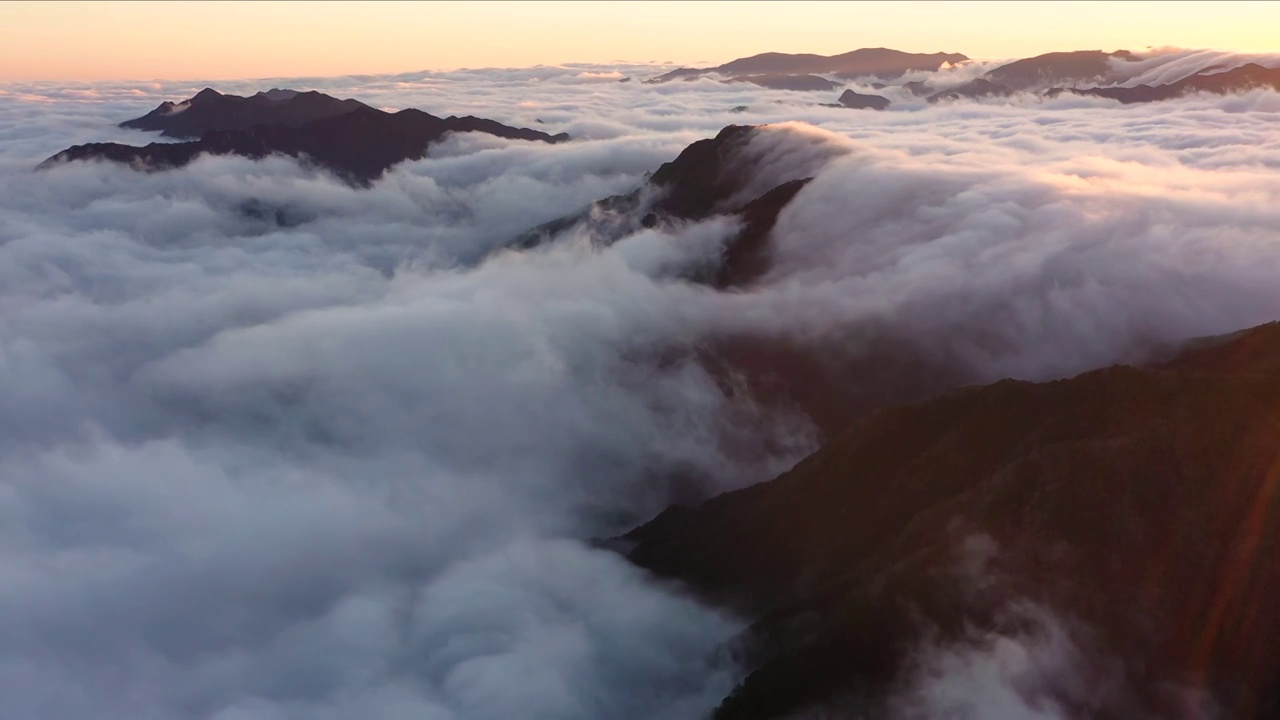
{"points": [[1138, 504]]}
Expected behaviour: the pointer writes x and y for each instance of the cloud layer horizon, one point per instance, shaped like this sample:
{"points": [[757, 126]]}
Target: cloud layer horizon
{"points": [[352, 464]]}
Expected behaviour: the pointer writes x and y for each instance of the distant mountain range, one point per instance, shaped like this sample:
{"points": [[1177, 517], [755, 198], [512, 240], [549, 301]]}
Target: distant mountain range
{"points": [[1214, 80], [354, 141], [867, 62], [1062, 68], [359, 143], [1085, 72], [1241, 79]]}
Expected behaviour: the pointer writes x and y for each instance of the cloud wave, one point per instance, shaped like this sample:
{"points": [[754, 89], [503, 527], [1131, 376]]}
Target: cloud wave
{"points": [[274, 447]]}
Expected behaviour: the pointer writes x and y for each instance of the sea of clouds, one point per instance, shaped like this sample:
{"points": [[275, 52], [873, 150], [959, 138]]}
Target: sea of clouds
{"points": [[275, 447]]}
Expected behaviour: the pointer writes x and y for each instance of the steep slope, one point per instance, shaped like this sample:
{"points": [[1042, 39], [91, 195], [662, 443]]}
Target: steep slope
{"points": [[358, 146], [211, 110], [833, 380], [706, 179], [1139, 506]]}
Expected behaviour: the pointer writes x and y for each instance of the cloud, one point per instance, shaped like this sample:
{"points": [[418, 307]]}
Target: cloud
{"points": [[271, 446], [1033, 673], [1169, 65], [1096, 252]]}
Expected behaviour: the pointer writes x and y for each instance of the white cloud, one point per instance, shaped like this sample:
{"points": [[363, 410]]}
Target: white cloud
{"points": [[345, 465]]}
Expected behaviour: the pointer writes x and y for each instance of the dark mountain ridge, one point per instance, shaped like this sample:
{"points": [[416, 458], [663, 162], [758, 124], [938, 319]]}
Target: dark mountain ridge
{"points": [[698, 183], [358, 146], [1139, 504], [211, 110]]}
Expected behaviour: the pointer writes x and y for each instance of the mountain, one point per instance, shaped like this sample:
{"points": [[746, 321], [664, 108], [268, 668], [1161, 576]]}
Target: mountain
{"points": [[678, 74], [918, 88], [1244, 78], [1136, 505], [707, 178], [881, 63], [694, 186], [777, 81], [358, 146], [859, 101], [835, 380], [972, 90], [1094, 67], [211, 110]]}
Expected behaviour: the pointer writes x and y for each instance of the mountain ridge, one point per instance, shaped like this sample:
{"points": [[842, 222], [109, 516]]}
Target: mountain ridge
{"points": [[211, 110], [358, 145], [847, 562], [883, 63]]}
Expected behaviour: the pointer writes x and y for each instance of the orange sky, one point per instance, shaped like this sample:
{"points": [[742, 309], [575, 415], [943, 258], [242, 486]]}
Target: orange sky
{"points": [[218, 40]]}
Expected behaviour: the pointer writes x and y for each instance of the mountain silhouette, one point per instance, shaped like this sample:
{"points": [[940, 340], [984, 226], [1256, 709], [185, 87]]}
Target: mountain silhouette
{"points": [[705, 179], [859, 101], [211, 110], [1137, 504], [882, 63], [358, 146]]}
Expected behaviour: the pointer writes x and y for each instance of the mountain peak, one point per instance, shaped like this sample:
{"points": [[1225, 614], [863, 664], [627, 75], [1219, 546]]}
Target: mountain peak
{"points": [[353, 140], [281, 94], [211, 110]]}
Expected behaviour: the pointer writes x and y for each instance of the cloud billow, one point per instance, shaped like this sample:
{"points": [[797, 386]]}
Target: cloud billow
{"points": [[276, 447]]}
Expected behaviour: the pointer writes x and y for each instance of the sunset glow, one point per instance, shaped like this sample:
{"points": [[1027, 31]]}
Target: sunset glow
{"points": [[214, 40]]}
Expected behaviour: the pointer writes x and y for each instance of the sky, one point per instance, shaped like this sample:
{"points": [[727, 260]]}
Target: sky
{"points": [[219, 40]]}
